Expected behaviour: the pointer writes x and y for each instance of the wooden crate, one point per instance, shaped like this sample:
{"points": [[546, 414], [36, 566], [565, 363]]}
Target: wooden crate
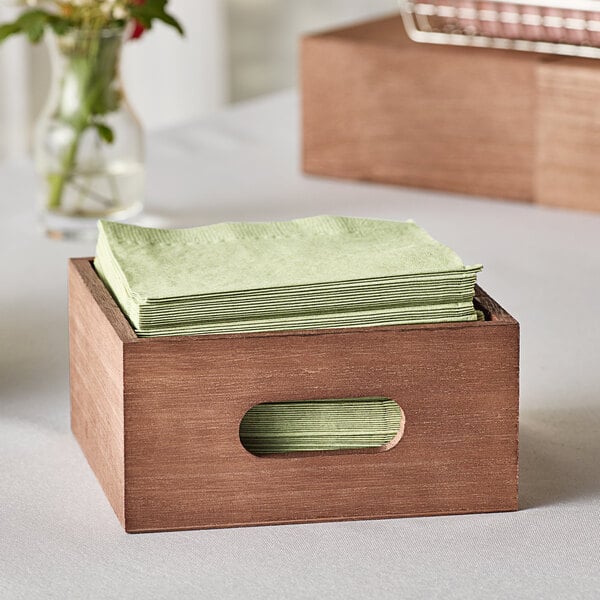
{"points": [[158, 418], [379, 107]]}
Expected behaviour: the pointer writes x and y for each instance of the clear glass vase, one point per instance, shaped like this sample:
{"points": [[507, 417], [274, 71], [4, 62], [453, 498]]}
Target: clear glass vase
{"points": [[88, 146]]}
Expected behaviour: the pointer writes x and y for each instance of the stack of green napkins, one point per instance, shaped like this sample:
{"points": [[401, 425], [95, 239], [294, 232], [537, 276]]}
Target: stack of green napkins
{"points": [[320, 425], [319, 272]]}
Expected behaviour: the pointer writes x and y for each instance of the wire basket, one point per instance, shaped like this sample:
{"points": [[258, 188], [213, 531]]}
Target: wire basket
{"points": [[570, 28]]}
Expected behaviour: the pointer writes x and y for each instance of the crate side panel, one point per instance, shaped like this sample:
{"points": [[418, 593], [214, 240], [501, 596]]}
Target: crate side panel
{"points": [[568, 133], [96, 383]]}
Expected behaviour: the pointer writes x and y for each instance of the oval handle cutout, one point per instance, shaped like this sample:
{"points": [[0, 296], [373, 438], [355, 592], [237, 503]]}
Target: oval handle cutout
{"points": [[322, 426]]}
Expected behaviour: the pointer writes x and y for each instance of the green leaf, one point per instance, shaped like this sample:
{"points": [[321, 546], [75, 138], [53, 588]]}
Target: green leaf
{"points": [[105, 132], [59, 26], [8, 29], [32, 23], [153, 10], [34, 27]]}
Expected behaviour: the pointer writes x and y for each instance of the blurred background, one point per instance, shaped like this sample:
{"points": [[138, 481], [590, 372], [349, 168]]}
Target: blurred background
{"points": [[233, 50]]}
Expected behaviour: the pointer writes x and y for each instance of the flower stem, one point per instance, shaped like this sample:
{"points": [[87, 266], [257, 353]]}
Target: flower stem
{"points": [[57, 181], [88, 92]]}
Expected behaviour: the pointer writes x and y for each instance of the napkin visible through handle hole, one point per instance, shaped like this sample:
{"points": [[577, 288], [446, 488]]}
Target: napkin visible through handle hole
{"points": [[365, 424]]}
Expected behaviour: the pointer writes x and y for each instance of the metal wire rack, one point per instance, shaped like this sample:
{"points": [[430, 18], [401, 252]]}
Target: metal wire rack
{"points": [[566, 27]]}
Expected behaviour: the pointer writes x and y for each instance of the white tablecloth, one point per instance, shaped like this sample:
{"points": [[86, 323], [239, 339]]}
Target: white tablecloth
{"points": [[58, 535]]}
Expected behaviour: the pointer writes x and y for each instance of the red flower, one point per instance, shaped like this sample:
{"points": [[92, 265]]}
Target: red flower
{"points": [[138, 28]]}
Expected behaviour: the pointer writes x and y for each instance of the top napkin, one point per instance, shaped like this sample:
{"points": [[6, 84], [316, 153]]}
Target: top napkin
{"points": [[231, 257]]}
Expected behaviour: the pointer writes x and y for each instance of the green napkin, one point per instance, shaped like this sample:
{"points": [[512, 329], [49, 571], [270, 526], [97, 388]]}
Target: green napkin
{"points": [[320, 425], [309, 273]]}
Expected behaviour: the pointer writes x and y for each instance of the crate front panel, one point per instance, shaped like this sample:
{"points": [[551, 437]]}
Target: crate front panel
{"points": [[185, 466]]}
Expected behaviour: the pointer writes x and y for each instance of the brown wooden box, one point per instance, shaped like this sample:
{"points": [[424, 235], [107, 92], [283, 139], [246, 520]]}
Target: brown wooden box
{"points": [[507, 124], [158, 418]]}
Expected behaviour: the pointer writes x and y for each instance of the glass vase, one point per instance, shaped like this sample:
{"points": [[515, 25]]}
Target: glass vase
{"points": [[88, 146]]}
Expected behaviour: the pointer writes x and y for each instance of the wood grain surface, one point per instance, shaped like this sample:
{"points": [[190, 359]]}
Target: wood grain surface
{"points": [[169, 443], [568, 134], [96, 335], [505, 124]]}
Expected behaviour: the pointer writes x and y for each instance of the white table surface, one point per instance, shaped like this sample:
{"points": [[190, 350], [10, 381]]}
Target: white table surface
{"points": [[58, 535]]}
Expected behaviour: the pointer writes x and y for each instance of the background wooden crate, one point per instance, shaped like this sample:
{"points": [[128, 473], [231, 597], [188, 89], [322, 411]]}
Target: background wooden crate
{"points": [[158, 418], [499, 123]]}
